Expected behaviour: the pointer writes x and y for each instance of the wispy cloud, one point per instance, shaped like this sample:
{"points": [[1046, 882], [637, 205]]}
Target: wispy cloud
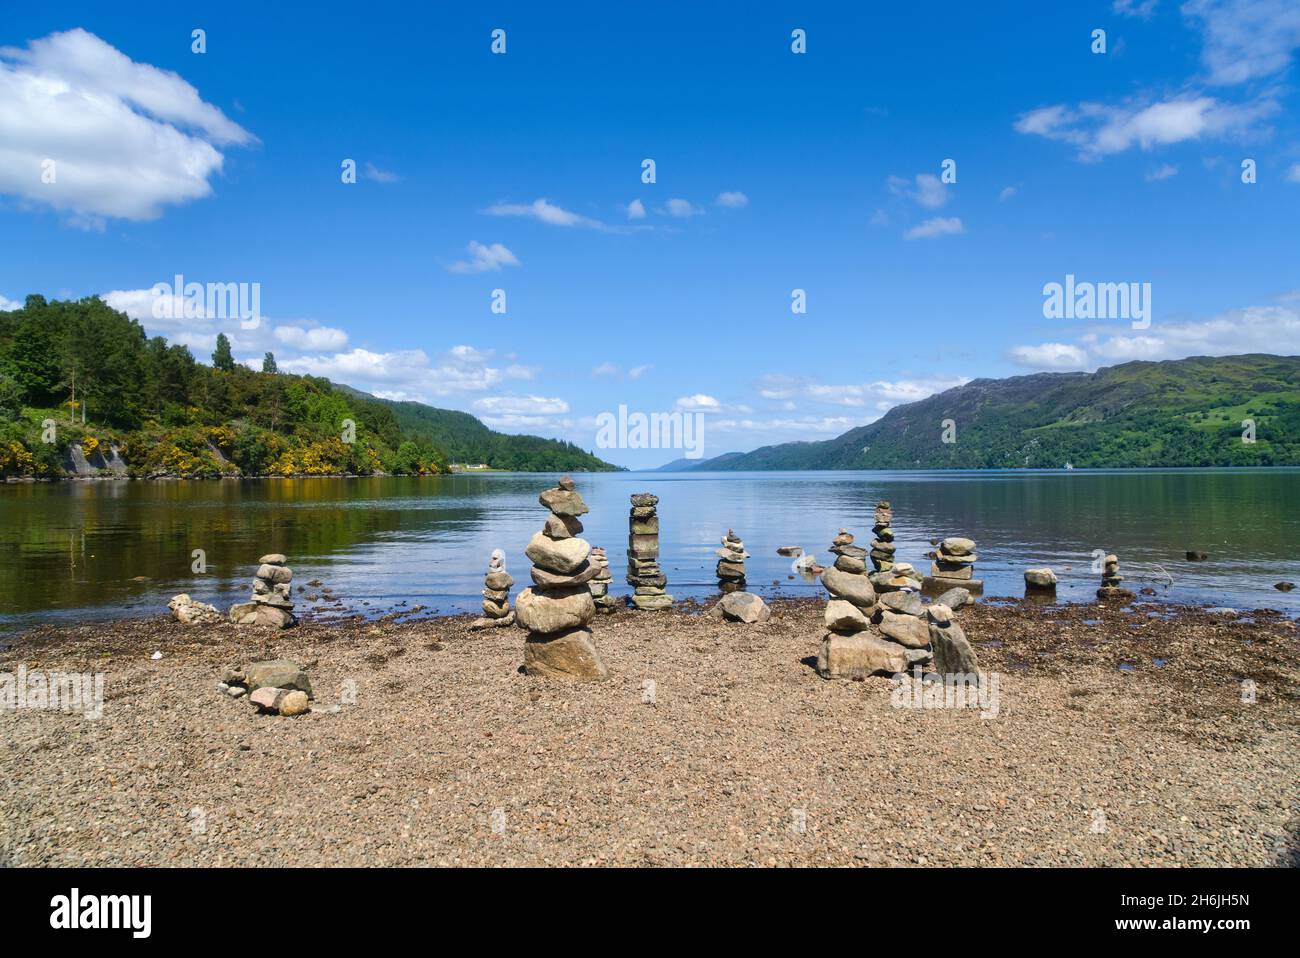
{"points": [[1098, 130], [636, 210], [1162, 172], [1143, 9], [733, 200], [372, 172], [544, 211], [925, 189], [682, 208], [1273, 328], [484, 259], [1245, 40], [938, 226]]}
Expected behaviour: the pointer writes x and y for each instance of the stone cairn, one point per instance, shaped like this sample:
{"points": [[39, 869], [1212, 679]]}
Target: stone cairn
{"points": [[271, 604], [853, 647], [559, 606], [600, 582], [888, 575], [496, 593], [954, 567], [731, 563], [887, 633], [1111, 579], [643, 572], [882, 547]]}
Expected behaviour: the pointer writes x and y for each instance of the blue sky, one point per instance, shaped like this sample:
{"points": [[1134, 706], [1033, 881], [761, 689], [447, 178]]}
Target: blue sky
{"points": [[775, 171]]}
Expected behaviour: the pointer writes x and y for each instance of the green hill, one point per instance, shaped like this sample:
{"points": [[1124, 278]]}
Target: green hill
{"points": [[84, 390], [466, 440], [1185, 412]]}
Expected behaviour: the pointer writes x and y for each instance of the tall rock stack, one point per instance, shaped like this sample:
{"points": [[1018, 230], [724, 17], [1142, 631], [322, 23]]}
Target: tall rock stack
{"points": [[559, 606], [954, 567], [1111, 579], [496, 593], [643, 572], [271, 604], [731, 563], [888, 575], [600, 582], [882, 547]]}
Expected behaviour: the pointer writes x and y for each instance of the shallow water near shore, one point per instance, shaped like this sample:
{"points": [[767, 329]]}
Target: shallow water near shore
{"points": [[87, 550]]}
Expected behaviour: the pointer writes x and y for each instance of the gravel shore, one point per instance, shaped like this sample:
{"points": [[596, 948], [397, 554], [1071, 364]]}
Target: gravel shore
{"points": [[1120, 738]]}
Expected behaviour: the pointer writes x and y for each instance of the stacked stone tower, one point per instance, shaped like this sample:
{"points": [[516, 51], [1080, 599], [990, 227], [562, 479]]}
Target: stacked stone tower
{"points": [[558, 608], [643, 573]]}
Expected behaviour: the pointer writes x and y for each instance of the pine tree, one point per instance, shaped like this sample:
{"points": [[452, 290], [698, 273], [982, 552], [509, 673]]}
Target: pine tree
{"points": [[268, 363], [221, 357]]}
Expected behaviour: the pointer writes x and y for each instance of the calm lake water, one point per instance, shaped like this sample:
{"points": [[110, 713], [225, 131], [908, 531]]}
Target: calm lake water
{"points": [[87, 550]]}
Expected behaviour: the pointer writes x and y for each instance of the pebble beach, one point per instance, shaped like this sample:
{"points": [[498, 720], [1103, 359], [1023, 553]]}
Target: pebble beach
{"points": [[1116, 737]]}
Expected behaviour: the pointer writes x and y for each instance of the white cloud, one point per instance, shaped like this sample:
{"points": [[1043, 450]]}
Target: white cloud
{"points": [[521, 406], [126, 138], [372, 172], [1245, 40], [732, 199], [312, 338], [636, 210], [636, 372], [1006, 194], [772, 429], [483, 259], [1253, 329], [544, 211], [605, 369], [364, 366], [410, 373], [880, 394], [1050, 356], [682, 208], [938, 226], [1293, 174], [927, 190], [1098, 130], [697, 403], [9, 305], [1162, 172]]}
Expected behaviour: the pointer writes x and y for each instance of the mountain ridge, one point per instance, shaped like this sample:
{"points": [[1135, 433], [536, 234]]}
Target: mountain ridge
{"points": [[1184, 412]]}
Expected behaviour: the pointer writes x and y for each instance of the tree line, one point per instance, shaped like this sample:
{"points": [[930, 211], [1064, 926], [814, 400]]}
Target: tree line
{"points": [[80, 372]]}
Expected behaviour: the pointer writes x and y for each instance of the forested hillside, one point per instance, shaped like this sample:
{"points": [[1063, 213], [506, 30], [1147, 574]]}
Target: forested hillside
{"points": [[81, 379], [1186, 412]]}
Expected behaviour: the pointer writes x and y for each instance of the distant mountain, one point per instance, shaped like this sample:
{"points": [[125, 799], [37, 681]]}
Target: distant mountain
{"points": [[696, 465], [1186, 412], [466, 440]]}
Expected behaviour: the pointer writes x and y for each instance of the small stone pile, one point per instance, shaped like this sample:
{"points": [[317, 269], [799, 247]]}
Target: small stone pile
{"points": [[271, 604], [189, 611], [643, 573], [277, 686], [882, 547], [600, 582], [954, 566], [496, 594], [731, 563], [559, 606], [1111, 579]]}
